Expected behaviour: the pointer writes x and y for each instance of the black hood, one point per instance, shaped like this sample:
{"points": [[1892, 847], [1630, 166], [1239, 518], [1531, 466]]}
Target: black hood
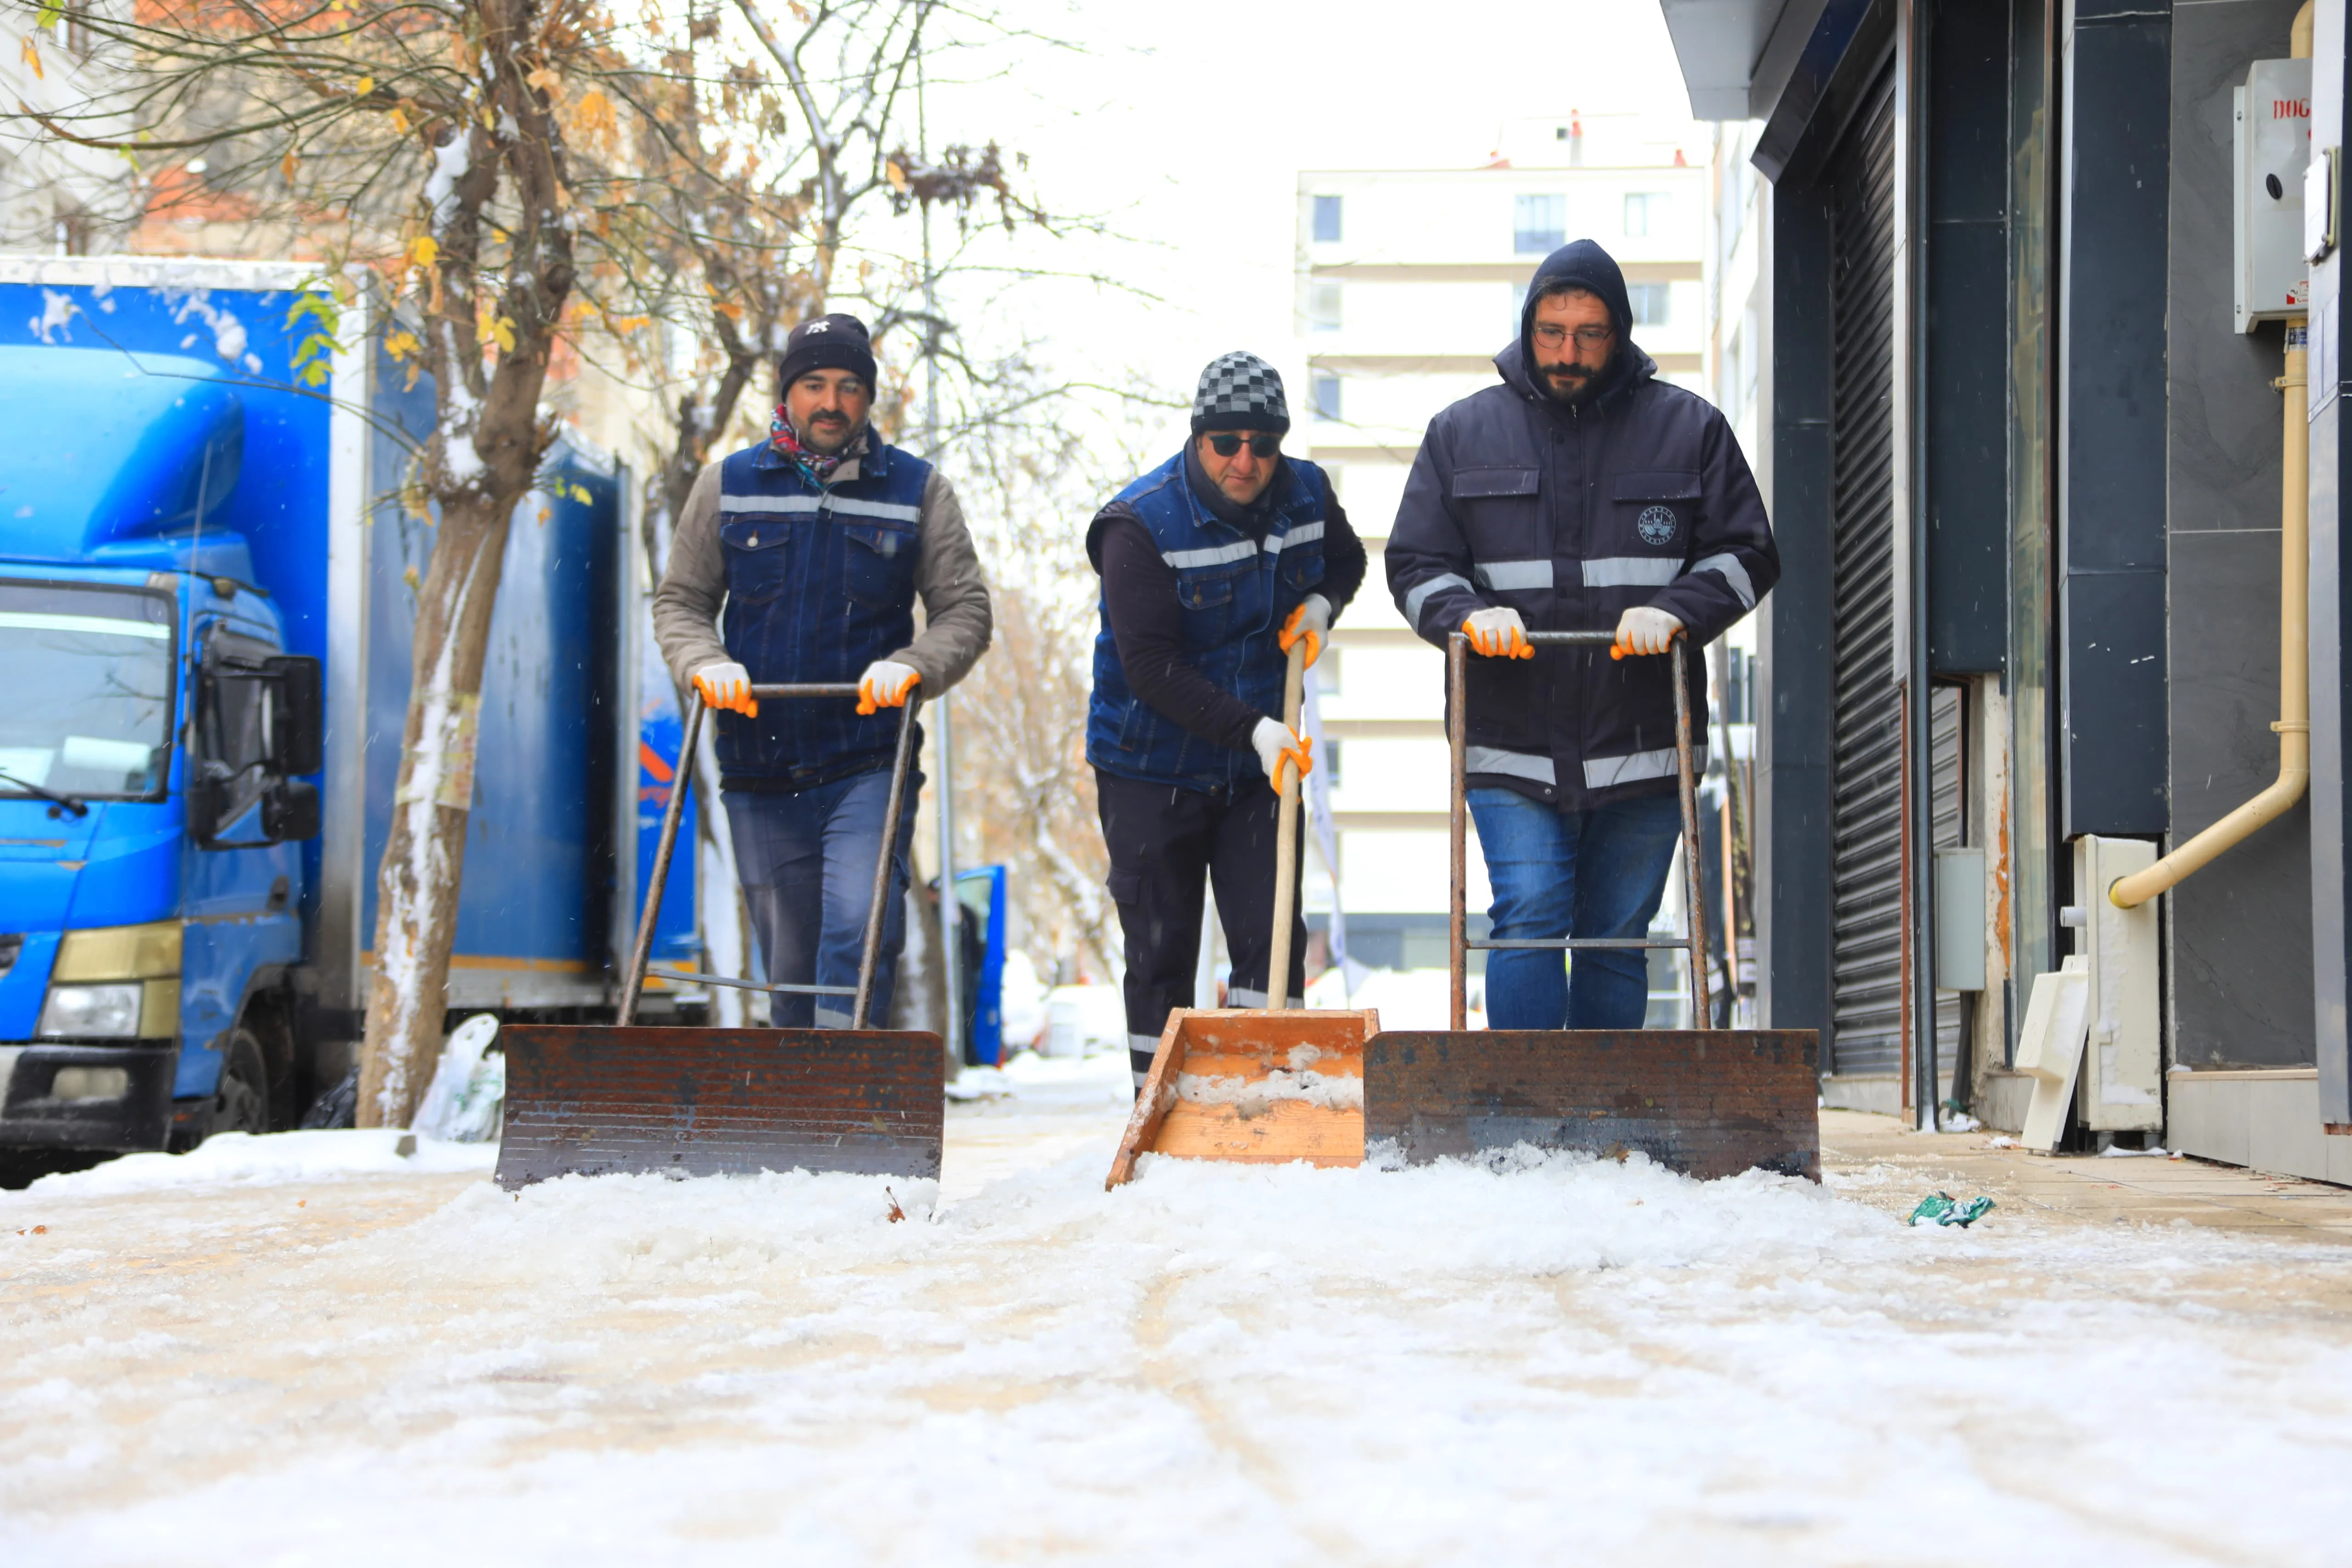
{"points": [[1584, 263]]}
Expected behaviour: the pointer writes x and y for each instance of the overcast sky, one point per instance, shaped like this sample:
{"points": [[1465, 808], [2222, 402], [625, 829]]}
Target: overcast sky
{"points": [[1186, 128]]}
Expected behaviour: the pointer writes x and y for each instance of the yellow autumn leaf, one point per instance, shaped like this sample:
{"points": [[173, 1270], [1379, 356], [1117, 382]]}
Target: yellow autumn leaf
{"points": [[502, 330], [400, 343], [895, 174], [399, 122], [287, 164], [366, 86], [595, 113], [423, 251], [33, 59], [729, 309], [544, 79]]}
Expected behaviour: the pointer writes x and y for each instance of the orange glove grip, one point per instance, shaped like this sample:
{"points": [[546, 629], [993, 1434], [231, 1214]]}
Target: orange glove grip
{"points": [[872, 695], [744, 702], [1494, 646], [1292, 632], [1301, 756]]}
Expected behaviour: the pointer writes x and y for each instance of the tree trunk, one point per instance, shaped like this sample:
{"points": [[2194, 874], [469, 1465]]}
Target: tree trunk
{"points": [[425, 854]]}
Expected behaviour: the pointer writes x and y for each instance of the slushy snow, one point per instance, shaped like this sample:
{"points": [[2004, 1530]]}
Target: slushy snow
{"points": [[1534, 1360]]}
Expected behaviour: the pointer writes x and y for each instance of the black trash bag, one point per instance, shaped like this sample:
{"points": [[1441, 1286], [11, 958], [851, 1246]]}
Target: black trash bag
{"points": [[338, 1107]]}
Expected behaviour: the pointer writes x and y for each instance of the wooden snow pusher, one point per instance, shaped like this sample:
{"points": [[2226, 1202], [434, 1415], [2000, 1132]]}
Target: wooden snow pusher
{"points": [[594, 1099], [1704, 1102], [1261, 1086]]}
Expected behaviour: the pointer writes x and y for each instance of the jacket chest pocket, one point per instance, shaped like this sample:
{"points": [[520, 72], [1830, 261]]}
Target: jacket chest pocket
{"points": [[1302, 565], [757, 550], [1498, 511], [1654, 512], [1211, 598], [879, 562]]}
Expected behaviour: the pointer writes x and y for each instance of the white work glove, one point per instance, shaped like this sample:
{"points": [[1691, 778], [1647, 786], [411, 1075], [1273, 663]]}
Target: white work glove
{"points": [[886, 684], [1645, 631], [1499, 633], [1273, 740], [727, 684], [1311, 620]]}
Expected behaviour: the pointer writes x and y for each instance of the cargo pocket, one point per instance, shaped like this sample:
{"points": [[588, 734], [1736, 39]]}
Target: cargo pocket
{"points": [[1207, 597], [1653, 512], [1497, 508], [1125, 888], [878, 563], [756, 556]]}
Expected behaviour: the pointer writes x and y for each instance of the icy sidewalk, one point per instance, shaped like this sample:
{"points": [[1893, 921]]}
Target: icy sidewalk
{"points": [[1565, 1362]]}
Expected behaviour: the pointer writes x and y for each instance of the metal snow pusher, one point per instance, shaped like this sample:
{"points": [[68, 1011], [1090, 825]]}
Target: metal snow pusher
{"points": [[1703, 1102], [587, 1100]]}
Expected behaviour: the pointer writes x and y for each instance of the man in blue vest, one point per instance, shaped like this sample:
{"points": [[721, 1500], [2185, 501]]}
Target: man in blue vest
{"points": [[1214, 564], [819, 541]]}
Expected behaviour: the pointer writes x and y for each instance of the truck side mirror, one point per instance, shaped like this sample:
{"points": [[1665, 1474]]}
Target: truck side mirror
{"points": [[300, 732], [289, 812]]}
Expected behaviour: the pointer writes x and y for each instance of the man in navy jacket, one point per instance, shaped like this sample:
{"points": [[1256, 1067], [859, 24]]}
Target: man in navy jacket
{"points": [[1582, 493]]}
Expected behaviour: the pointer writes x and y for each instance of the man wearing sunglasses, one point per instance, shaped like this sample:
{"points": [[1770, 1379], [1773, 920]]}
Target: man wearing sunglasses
{"points": [[1213, 565], [1582, 493]]}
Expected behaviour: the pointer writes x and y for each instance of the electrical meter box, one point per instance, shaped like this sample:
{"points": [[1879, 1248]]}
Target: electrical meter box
{"points": [[2272, 144]]}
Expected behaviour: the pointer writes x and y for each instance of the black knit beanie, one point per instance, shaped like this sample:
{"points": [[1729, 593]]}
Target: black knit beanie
{"points": [[826, 342], [1240, 391]]}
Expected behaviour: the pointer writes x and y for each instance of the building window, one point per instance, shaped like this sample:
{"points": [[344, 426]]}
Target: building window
{"points": [[1649, 302], [1645, 214], [1327, 397], [1323, 307], [1538, 225], [1327, 754], [1326, 684], [1327, 220]]}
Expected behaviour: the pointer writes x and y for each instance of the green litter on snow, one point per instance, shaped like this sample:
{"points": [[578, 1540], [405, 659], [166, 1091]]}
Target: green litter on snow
{"points": [[1940, 1207]]}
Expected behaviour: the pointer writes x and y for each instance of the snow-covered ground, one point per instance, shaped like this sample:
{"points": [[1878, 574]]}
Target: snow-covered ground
{"points": [[319, 1358]]}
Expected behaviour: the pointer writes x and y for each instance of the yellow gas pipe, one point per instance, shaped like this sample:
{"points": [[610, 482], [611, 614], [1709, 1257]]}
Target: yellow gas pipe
{"points": [[2293, 724]]}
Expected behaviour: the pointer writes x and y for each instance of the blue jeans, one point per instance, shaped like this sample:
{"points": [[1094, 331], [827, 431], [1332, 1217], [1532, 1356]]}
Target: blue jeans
{"points": [[1583, 873], [806, 858]]}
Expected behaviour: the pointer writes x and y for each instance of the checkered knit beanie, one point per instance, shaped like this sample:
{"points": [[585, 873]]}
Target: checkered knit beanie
{"points": [[1240, 391]]}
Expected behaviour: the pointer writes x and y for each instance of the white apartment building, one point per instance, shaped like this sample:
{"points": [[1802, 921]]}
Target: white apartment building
{"points": [[1409, 281]]}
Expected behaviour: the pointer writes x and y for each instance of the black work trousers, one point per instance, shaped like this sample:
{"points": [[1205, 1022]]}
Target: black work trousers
{"points": [[1165, 844]]}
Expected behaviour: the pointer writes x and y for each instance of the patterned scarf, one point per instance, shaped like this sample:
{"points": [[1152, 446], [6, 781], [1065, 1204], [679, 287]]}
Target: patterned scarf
{"points": [[818, 465]]}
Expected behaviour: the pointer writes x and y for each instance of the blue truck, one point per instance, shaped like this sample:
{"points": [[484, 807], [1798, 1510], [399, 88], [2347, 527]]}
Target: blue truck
{"points": [[207, 589]]}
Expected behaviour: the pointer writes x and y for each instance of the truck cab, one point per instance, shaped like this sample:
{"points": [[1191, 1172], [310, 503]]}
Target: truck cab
{"points": [[156, 746]]}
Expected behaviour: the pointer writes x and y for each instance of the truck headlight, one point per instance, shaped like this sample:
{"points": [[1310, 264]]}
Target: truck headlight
{"points": [[96, 968], [92, 1012]]}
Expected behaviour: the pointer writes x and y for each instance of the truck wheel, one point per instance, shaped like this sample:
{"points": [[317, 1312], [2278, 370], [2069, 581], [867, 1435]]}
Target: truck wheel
{"points": [[242, 1102]]}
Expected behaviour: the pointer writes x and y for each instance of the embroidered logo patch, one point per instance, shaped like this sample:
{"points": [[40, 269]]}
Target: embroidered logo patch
{"points": [[1656, 525]]}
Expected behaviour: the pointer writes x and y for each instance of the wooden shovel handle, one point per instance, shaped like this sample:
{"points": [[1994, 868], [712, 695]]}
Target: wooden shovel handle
{"points": [[1285, 839]]}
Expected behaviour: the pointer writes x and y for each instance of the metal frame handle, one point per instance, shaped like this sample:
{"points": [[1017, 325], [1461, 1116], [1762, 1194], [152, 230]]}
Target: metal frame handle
{"points": [[641, 951], [1457, 690]]}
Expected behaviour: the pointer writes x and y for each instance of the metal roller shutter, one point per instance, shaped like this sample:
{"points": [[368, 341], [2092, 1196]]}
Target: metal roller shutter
{"points": [[1945, 774], [1866, 762]]}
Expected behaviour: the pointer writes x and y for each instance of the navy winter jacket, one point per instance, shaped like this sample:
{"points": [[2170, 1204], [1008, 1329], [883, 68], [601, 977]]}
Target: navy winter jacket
{"points": [[1572, 514]]}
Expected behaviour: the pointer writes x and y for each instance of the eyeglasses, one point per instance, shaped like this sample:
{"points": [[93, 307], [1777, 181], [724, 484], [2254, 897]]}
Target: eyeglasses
{"points": [[1265, 446], [1551, 335]]}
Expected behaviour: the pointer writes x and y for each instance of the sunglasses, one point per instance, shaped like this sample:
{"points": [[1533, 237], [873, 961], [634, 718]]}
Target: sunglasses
{"points": [[1265, 446]]}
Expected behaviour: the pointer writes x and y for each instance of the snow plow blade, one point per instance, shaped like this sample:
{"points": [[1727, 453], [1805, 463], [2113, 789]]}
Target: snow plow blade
{"points": [[1706, 1102], [1261, 1086], [712, 1102]]}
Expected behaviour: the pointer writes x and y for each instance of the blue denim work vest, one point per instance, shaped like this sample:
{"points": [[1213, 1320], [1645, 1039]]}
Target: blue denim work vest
{"points": [[1235, 593], [820, 584]]}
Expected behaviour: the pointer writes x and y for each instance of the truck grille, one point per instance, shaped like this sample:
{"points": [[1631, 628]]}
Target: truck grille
{"points": [[9, 947]]}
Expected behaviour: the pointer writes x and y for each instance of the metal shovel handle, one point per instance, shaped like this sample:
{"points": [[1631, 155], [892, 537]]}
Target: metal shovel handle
{"points": [[641, 952], [1457, 722]]}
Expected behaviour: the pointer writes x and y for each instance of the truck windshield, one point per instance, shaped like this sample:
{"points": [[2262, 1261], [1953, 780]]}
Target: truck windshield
{"points": [[87, 709]]}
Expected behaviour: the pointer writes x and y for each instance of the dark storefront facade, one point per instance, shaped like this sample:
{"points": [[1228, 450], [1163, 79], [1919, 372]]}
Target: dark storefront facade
{"points": [[2026, 470]]}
